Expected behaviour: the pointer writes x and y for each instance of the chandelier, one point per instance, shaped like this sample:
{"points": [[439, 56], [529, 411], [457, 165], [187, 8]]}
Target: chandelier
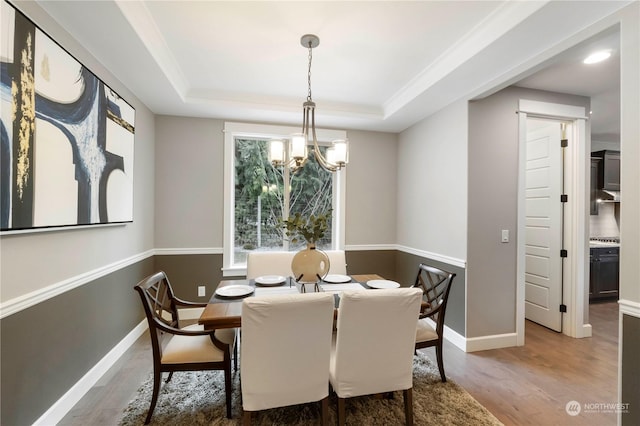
{"points": [[337, 155]]}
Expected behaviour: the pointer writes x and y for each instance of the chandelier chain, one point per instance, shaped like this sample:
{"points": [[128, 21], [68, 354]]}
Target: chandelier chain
{"points": [[309, 73]]}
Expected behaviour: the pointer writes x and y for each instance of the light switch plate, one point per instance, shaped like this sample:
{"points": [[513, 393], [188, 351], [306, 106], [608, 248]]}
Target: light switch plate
{"points": [[201, 291], [505, 235]]}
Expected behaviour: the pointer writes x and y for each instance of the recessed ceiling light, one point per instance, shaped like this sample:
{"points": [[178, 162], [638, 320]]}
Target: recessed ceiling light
{"points": [[597, 57]]}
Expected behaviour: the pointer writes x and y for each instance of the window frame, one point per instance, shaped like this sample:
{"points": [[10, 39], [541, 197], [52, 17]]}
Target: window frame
{"points": [[232, 130]]}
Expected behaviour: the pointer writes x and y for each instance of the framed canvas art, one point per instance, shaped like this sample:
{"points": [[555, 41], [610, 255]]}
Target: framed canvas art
{"points": [[67, 139]]}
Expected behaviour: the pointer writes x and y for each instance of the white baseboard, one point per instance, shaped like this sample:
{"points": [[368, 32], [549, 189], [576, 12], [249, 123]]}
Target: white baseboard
{"points": [[495, 341], [451, 335], [62, 406], [483, 343]]}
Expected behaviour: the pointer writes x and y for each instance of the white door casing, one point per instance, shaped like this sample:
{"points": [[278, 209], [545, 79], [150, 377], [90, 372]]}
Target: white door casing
{"points": [[543, 235], [577, 169]]}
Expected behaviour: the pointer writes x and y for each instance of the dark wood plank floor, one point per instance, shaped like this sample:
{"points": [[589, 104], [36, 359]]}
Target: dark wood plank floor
{"points": [[527, 385]]}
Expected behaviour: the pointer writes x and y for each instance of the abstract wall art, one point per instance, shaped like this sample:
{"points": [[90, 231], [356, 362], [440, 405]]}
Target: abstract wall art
{"points": [[67, 139]]}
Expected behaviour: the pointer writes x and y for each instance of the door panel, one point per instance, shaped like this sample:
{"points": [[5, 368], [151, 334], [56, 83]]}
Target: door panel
{"points": [[543, 186]]}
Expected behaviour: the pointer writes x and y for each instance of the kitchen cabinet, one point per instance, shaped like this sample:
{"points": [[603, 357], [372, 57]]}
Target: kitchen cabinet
{"points": [[608, 170], [604, 273]]}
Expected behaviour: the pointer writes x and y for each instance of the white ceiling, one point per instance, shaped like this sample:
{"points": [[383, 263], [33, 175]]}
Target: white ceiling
{"points": [[381, 65]]}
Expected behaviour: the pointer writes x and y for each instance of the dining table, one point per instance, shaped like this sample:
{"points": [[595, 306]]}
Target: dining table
{"points": [[223, 312]]}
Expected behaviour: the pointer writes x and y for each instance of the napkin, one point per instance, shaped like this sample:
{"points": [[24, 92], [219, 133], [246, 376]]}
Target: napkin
{"points": [[267, 291], [338, 288]]}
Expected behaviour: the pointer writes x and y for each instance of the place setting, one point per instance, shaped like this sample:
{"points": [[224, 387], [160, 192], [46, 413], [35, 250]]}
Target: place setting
{"points": [[337, 283], [234, 291], [270, 280], [382, 284], [267, 285]]}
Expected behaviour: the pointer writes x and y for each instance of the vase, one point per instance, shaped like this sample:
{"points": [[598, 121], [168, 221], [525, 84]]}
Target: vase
{"points": [[310, 264]]}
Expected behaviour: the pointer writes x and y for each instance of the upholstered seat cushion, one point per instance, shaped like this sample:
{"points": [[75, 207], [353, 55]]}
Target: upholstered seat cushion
{"points": [[225, 335], [190, 349], [425, 332]]}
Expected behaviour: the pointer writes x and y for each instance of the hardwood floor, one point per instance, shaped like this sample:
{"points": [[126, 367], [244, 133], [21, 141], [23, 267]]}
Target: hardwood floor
{"points": [[527, 385], [531, 385]]}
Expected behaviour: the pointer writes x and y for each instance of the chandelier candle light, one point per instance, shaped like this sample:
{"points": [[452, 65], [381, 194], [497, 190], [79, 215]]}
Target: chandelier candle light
{"points": [[337, 156]]}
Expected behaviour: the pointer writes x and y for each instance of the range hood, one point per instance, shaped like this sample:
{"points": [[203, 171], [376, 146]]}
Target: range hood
{"points": [[608, 196]]}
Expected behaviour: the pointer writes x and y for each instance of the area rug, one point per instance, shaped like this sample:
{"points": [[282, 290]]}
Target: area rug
{"points": [[197, 398]]}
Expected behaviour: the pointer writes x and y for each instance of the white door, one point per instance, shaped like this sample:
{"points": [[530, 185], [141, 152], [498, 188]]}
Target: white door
{"points": [[543, 242]]}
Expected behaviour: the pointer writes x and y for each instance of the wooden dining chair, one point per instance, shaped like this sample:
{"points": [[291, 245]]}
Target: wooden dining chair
{"points": [[374, 345], [435, 284], [285, 345], [189, 348]]}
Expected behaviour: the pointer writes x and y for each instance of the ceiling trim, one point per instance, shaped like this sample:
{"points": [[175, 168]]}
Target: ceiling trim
{"points": [[141, 21], [498, 23]]}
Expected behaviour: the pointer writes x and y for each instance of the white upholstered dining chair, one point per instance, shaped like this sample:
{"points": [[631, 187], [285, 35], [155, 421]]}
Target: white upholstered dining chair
{"points": [[337, 262], [285, 346], [374, 345], [279, 263], [269, 263]]}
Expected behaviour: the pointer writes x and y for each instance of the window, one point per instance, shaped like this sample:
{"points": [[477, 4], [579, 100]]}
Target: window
{"points": [[258, 195]]}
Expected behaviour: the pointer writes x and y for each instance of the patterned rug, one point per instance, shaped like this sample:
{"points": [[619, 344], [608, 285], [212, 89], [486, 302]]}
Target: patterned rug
{"points": [[197, 398]]}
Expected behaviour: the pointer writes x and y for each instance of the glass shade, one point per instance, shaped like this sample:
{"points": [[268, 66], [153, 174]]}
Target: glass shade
{"points": [[298, 146], [330, 155], [340, 151], [276, 151]]}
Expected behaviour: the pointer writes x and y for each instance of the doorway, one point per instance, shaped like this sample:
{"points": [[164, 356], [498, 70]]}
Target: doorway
{"points": [[571, 291]]}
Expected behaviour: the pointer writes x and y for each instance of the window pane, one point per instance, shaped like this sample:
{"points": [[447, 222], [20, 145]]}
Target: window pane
{"points": [[312, 194], [258, 200]]}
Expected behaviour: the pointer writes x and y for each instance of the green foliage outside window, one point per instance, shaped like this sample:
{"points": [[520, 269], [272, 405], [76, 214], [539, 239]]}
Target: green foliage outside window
{"points": [[260, 198]]}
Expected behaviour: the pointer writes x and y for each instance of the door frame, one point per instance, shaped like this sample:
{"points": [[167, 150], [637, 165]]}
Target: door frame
{"points": [[575, 295]]}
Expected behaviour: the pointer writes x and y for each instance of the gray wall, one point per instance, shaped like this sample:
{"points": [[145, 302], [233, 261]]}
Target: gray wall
{"points": [[47, 348], [432, 184], [492, 203], [189, 185], [189, 176], [630, 213]]}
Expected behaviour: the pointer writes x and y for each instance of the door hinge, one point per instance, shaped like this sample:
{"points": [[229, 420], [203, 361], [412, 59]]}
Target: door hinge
{"points": [[563, 253], [563, 308], [564, 143], [564, 198]]}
